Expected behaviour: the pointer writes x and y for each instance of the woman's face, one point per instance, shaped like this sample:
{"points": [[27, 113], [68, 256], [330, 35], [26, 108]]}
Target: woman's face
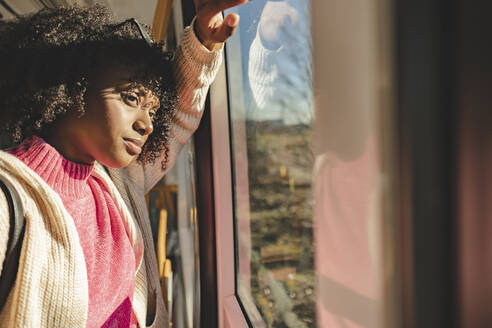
{"points": [[116, 123]]}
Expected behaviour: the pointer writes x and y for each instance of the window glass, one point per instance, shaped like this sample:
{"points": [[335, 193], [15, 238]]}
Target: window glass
{"points": [[307, 163], [270, 93]]}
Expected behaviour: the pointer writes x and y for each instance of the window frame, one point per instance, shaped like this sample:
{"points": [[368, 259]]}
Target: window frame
{"points": [[230, 313]]}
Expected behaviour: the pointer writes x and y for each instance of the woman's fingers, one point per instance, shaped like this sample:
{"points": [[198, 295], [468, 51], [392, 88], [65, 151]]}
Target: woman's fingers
{"points": [[213, 38], [227, 28], [210, 28]]}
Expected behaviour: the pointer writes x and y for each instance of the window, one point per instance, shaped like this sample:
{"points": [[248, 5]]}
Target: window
{"points": [[271, 113], [308, 181]]}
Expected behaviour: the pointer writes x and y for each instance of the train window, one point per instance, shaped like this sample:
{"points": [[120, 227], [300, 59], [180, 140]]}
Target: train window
{"points": [[309, 165], [271, 112]]}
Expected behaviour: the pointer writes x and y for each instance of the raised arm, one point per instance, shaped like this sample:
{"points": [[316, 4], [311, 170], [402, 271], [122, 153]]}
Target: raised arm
{"points": [[197, 60]]}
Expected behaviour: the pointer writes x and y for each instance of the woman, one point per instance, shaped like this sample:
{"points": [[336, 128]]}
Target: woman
{"points": [[98, 114]]}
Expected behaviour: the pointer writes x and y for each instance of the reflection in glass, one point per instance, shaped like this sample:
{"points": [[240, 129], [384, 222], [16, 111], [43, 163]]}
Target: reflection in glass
{"points": [[307, 163], [348, 176], [271, 111]]}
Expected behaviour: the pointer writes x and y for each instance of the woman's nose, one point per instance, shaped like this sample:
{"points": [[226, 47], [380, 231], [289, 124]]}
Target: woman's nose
{"points": [[143, 125]]}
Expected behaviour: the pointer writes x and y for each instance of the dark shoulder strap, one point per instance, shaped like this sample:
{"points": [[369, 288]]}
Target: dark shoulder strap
{"points": [[14, 245]]}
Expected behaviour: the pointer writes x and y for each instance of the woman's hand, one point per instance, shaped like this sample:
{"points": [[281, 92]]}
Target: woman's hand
{"points": [[277, 22], [210, 28]]}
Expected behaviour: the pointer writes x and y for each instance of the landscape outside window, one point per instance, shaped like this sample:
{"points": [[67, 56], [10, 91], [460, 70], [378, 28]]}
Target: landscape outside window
{"points": [[270, 98]]}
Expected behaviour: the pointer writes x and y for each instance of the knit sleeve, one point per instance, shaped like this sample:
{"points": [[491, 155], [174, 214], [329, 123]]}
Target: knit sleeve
{"points": [[263, 72], [4, 227], [195, 70]]}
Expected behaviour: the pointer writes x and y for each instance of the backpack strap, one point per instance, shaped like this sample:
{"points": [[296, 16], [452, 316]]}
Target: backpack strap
{"points": [[16, 235]]}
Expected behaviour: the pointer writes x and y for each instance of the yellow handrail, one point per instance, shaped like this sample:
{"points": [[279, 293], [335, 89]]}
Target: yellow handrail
{"points": [[161, 19], [161, 242], [165, 269]]}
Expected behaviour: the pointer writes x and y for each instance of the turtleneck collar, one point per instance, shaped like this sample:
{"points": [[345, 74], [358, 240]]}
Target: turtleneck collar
{"points": [[65, 177]]}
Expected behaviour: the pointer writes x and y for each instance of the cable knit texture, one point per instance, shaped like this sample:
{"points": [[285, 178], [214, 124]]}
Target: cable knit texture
{"points": [[54, 277], [109, 257]]}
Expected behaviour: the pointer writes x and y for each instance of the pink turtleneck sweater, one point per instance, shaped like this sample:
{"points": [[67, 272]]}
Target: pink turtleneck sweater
{"points": [[108, 252]]}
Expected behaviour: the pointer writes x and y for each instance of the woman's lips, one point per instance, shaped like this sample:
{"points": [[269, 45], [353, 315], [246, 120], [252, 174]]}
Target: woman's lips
{"points": [[133, 146]]}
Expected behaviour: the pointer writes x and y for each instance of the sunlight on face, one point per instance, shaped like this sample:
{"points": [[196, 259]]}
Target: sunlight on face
{"points": [[116, 124]]}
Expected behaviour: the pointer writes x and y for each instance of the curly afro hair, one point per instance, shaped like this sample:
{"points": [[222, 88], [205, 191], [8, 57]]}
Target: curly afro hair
{"points": [[48, 58]]}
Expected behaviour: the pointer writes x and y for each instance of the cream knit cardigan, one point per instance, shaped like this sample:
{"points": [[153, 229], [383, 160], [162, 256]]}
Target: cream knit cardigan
{"points": [[51, 289]]}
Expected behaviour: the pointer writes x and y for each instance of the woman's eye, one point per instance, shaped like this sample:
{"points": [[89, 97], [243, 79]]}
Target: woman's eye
{"points": [[131, 99]]}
